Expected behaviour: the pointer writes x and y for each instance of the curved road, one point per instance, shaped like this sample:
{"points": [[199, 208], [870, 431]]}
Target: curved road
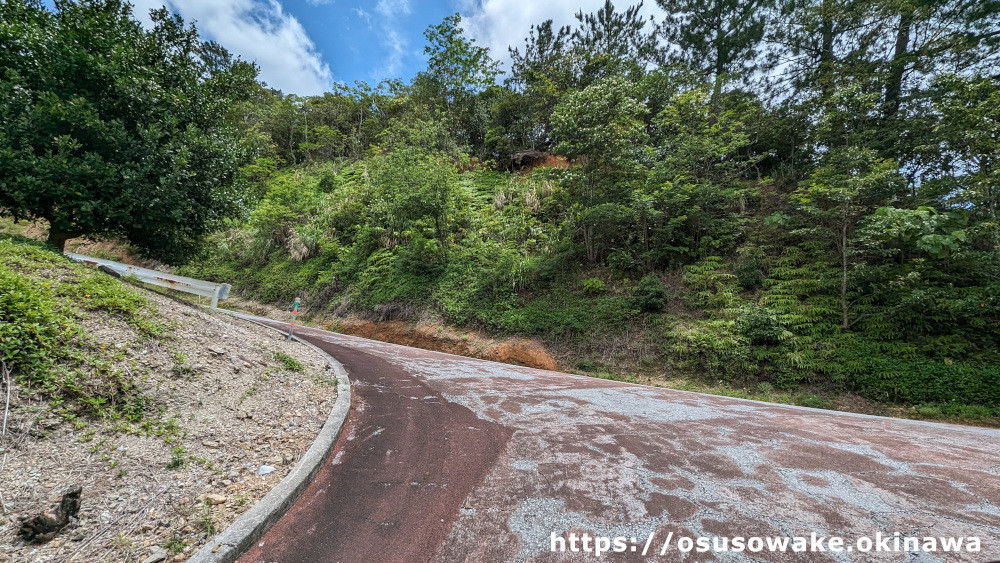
{"points": [[448, 458]]}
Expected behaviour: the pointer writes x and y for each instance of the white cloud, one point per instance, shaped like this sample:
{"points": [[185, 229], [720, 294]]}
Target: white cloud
{"points": [[497, 24], [393, 8], [365, 16], [257, 30], [389, 34], [397, 48]]}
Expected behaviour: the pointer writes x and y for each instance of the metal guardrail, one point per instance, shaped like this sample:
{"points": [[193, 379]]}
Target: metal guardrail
{"points": [[180, 283]]}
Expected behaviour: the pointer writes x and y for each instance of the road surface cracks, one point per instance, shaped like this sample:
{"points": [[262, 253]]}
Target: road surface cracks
{"points": [[456, 459]]}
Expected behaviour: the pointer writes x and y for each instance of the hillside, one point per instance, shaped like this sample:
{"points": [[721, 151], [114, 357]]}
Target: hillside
{"points": [[164, 413], [760, 319], [800, 207]]}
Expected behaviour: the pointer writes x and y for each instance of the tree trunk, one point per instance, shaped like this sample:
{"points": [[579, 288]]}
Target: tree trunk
{"points": [[58, 238], [719, 68], [588, 242], [897, 68], [645, 232], [843, 274], [826, 59]]}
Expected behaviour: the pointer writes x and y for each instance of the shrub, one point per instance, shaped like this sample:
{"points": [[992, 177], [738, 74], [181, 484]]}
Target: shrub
{"points": [[923, 381], [594, 286], [760, 326], [749, 268], [650, 295], [327, 182]]}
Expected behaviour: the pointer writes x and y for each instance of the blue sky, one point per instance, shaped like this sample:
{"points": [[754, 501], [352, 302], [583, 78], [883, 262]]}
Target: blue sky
{"points": [[370, 40], [305, 46]]}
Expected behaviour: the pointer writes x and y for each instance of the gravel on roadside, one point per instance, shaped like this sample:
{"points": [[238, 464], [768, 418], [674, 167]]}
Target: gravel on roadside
{"points": [[238, 406]]}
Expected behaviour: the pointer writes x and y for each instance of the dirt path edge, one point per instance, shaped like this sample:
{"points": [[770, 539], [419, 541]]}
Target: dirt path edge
{"points": [[251, 525]]}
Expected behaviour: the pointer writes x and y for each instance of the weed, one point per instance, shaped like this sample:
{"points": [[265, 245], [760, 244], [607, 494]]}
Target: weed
{"points": [[594, 286], [175, 545], [205, 521], [323, 381], [287, 362], [181, 366], [616, 377], [247, 393], [123, 544], [178, 457], [96, 447], [169, 430], [813, 401]]}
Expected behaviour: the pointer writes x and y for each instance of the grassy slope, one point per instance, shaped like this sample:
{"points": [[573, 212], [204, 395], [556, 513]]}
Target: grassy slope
{"points": [[44, 301]]}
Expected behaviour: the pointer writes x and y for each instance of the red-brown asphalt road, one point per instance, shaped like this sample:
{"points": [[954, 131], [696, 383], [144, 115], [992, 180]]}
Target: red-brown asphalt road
{"points": [[455, 459]]}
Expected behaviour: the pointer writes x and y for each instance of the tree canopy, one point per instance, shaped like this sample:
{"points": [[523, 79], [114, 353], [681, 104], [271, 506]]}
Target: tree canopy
{"points": [[107, 128]]}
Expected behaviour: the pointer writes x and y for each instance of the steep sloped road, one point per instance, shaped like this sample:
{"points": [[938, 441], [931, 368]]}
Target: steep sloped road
{"points": [[455, 459]]}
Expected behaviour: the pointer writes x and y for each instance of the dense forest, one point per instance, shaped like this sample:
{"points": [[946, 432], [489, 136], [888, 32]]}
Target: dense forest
{"points": [[767, 194]]}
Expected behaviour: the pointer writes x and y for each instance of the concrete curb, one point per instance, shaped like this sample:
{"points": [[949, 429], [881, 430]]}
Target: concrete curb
{"points": [[252, 524]]}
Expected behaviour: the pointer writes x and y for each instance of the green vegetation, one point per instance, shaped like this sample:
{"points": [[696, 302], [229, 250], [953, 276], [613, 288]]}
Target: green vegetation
{"points": [[175, 545], [288, 362], [205, 521], [178, 457], [104, 121], [44, 298], [794, 203], [803, 241]]}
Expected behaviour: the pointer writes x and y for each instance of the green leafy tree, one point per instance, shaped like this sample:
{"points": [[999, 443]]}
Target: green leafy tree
{"points": [[457, 71], [717, 38], [602, 128], [414, 188], [610, 42], [111, 129], [966, 157], [849, 184], [455, 63], [933, 35], [544, 73], [700, 144], [820, 44]]}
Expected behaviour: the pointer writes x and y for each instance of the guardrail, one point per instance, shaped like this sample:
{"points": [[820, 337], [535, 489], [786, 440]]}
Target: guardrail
{"points": [[180, 283]]}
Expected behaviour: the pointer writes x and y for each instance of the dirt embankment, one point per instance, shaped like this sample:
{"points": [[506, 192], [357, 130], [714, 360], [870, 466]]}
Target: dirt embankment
{"points": [[425, 333], [517, 351]]}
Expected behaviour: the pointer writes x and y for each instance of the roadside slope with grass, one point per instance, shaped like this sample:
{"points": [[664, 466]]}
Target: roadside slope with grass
{"points": [[163, 412]]}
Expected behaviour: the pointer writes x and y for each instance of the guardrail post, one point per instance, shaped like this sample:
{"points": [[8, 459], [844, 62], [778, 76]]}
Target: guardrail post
{"points": [[215, 297], [295, 312]]}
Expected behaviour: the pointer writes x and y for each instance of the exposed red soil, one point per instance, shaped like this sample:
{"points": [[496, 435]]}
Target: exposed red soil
{"points": [[550, 161], [518, 351]]}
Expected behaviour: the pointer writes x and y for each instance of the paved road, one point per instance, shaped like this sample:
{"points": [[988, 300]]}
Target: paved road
{"points": [[454, 459]]}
